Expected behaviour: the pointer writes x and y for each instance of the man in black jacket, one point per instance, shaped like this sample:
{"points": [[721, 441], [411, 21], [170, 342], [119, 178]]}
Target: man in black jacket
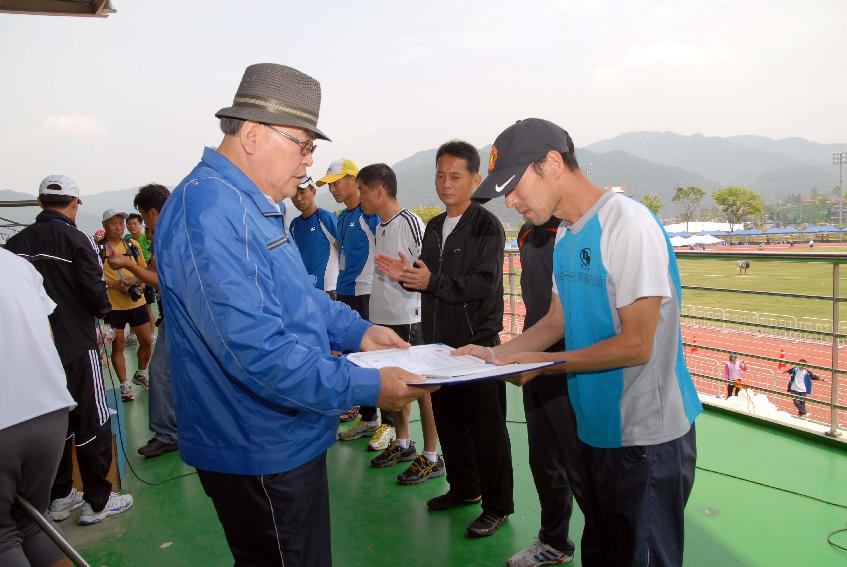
{"points": [[460, 276], [554, 454], [73, 277]]}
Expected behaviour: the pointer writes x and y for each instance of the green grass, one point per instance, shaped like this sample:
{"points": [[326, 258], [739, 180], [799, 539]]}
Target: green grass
{"points": [[810, 278]]}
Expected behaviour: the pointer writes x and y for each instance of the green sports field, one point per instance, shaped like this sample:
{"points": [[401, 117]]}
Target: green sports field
{"points": [[813, 278]]}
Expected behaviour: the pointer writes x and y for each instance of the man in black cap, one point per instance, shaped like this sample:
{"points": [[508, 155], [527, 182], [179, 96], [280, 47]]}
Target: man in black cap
{"points": [[257, 392], [617, 296]]}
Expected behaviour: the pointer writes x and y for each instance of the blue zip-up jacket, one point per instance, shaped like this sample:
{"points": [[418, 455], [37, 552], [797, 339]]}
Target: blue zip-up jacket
{"points": [[807, 380], [256, 389]]}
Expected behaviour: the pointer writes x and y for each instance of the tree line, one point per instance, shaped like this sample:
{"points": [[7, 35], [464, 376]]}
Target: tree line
{"points": [[737, 205]]}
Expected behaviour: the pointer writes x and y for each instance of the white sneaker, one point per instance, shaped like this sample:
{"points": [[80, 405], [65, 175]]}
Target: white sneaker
{"points": [[539, 553], [142, 378], [116, 504], [382, 438], [127, 394], [61, 508]]}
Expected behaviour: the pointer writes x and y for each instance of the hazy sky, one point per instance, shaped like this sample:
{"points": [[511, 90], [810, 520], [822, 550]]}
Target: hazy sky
{"points": [[130, 99]]}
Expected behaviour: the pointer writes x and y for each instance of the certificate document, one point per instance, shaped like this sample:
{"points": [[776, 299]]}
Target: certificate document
{"points": [[438, 364]]}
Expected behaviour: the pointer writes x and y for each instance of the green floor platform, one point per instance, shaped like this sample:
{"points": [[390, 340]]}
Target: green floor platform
{"points": [[376, 522]]}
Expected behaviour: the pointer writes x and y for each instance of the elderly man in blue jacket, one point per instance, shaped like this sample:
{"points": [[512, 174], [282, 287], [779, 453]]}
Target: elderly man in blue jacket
{"points": [[257, 392]]}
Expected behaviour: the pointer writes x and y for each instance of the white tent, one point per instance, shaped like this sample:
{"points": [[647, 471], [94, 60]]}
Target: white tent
{"points": [[703, 239], [679, 241], [693, 227]]}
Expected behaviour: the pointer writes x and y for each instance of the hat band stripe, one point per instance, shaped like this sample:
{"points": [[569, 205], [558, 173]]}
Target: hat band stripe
{"points": [[271, 106]]}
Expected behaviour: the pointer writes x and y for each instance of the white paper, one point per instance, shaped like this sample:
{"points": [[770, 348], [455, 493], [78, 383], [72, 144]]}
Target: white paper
{"points": [[438, 365], [487, 373], [422, 359]]}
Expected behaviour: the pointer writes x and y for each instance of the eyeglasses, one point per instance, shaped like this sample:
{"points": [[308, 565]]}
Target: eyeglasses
{"points": [[306, 148]]}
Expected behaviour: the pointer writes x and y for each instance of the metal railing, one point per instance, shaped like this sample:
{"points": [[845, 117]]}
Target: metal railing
{"points": [[706, 366]]}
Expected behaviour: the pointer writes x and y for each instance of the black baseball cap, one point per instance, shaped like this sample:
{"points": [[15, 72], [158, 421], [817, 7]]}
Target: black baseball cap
{"points": [[524, 142]]}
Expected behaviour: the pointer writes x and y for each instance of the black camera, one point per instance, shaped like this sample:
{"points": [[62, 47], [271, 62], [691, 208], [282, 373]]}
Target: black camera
{"points": [[132, 250], [135, 291]]}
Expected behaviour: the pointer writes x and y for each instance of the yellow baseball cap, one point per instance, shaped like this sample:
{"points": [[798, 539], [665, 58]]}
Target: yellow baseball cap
{"points": [[338, 169]]}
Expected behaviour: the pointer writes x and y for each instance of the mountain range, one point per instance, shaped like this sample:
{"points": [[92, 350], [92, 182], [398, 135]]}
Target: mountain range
{"points": [[642, 162]]}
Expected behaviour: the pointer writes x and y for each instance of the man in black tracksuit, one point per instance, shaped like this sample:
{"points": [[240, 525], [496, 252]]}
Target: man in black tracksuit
{"points": [[460, 276], [73, 278], [554, 454]]}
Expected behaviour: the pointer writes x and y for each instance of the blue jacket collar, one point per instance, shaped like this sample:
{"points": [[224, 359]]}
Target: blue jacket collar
{"points": [[220, 163]]}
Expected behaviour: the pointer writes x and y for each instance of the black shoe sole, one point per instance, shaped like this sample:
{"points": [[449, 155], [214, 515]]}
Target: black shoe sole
{"points": [[157, 453], [458, 504], [472, 534]]}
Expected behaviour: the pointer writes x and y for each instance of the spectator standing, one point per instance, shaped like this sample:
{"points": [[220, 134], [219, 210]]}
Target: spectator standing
{"points": [[149, 201], [126, 296], [356, 236], [73, 277], [316, 233], [399, 236], [732, 370], [460, 277], [554, 455], [33, 413], [800, 384], [136, 231]]}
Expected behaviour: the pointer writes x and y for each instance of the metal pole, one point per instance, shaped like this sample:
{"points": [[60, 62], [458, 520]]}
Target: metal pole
{"points": [[52, 532], [836, 294], [512, 326], [838, 158]]}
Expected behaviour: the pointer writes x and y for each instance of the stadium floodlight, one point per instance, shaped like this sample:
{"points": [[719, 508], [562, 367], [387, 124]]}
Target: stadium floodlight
{"points": [[839, 159]]}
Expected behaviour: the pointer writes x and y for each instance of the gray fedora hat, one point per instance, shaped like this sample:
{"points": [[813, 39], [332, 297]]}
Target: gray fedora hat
{"points": [[276, 94]]}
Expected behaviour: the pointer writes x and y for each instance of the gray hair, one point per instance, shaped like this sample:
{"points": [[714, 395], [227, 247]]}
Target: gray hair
{"points": [[230, 126]]}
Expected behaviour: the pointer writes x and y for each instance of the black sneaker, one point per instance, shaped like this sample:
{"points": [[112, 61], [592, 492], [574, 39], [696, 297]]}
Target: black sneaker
{"points": [[156, 447], [485, 525], [447, 501], [394, 454], [421, 470]]}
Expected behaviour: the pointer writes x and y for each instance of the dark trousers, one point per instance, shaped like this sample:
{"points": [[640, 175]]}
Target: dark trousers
{"points": [[636, 500], [90, 429], [410, 333], [361, 304], [29, 457], [800, 404], [471, 423], [161, 398], [275, 519], [554, 458]]}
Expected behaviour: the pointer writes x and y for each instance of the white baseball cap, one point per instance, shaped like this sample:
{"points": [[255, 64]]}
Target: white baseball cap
{"points": [[59, 185], [109, 213]]}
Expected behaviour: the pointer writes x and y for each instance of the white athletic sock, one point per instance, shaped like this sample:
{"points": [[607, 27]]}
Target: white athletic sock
{"points": [[403, 443], [431, 457], [144, 372], [371, 423]]}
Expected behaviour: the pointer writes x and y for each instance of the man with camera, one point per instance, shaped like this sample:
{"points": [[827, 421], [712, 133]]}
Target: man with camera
{"points": [[149, 202], [126, 295]]}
